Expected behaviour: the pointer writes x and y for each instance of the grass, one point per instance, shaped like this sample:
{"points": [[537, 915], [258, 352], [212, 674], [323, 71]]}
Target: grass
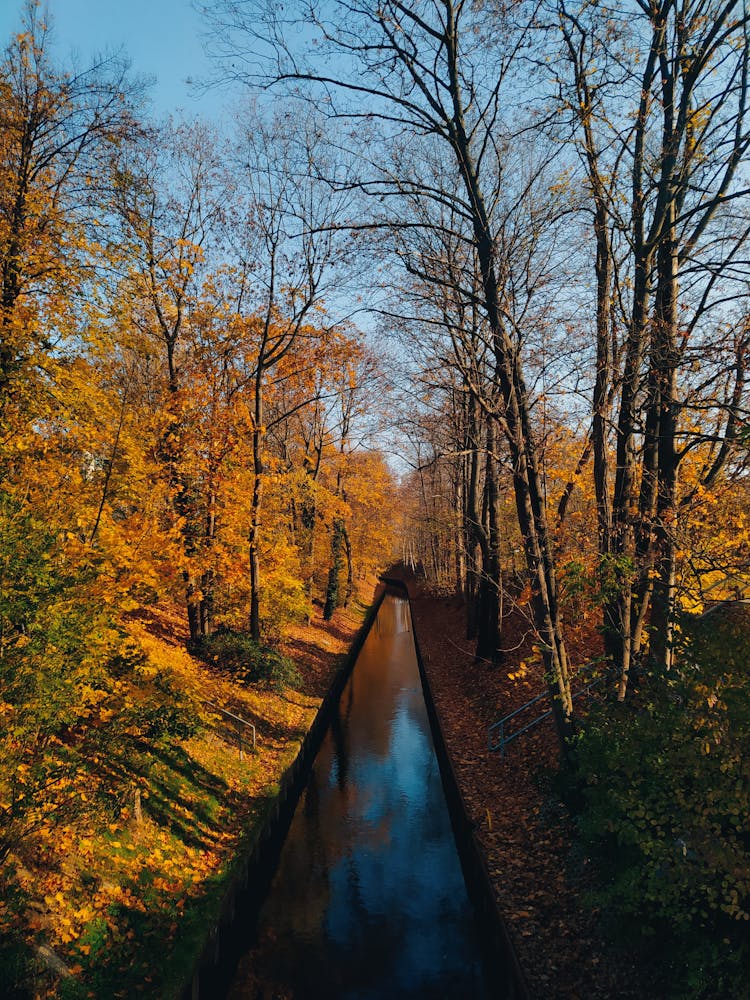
{"points": [[125, 902]]}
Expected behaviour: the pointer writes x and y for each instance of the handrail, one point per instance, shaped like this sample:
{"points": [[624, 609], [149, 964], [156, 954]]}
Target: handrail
{"points": [[725, 602], [237, 721], [512, 715], [504, 740]]}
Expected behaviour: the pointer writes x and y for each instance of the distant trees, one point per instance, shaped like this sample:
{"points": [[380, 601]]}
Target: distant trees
{"points": [[458, 463]]}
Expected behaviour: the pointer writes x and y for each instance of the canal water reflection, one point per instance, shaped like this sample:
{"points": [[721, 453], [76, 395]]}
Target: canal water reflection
{"points": [[369, 900]]}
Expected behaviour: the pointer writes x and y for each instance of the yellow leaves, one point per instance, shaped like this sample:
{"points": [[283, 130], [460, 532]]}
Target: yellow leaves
{"points": [[520, 673]]}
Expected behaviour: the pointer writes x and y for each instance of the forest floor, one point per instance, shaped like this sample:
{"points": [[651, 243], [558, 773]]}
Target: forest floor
{"points": [[113, 899], [524, 831]]}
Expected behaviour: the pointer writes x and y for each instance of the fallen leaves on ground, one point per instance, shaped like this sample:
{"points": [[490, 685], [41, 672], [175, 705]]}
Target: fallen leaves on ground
{"points": [[526, 835], [112, 894]]}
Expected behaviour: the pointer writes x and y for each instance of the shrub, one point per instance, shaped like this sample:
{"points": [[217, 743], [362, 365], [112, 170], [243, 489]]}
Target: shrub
{"points": [[250, 661], [663, 785]]}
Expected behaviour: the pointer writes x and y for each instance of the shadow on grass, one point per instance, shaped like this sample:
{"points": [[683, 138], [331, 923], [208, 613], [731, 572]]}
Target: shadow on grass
{"points": [[136, 953], [265, 728], [173, 779], [153, 953], [18, 968]]}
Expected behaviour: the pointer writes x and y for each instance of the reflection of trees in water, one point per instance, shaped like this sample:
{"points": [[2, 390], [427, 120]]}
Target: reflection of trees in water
{"points": [[369, 893], [339, 734], [296, 907], [384, 682], [402, 617], [311, 806], [393, 618]]}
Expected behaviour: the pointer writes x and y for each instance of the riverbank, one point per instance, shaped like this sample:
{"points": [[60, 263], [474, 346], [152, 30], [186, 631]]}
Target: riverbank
{"points": [[114, 898], [525, 836]]}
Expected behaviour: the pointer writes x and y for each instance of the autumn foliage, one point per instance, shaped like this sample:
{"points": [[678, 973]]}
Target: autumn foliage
{"points": [[136, 466], [545, 205]]}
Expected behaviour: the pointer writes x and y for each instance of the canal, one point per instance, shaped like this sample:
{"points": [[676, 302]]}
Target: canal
{"points": [[369, 899]]}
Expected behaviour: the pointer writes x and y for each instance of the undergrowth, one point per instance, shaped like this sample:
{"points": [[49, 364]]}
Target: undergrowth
{"points": [[248, 661], [660, 790], [122, 824]]}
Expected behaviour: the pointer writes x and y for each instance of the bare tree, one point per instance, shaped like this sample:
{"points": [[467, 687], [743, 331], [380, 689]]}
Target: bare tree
{"points": [[434, 75], [658, 92]]}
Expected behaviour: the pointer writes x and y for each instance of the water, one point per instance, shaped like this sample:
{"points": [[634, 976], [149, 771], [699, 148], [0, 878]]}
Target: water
{"points": [[369, 900]]}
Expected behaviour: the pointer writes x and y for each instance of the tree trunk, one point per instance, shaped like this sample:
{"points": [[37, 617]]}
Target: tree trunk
{"points": [[472, 522], [489, 631], [193, 613], [666, 355], [521, 442], [332, 590], [620, 613], [604, 359], [349, 567], [459, 536], [255, 506]]}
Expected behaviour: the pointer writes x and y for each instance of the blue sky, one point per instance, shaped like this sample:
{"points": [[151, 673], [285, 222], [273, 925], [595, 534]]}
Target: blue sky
{"points": [[161, 37]]}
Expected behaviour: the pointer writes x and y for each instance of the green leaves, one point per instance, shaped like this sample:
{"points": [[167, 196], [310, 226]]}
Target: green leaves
{"points": [[665, 785], [249, 661]]}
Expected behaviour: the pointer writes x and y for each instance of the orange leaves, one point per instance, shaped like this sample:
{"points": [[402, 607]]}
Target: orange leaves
{"points": [[521, 673], [525, 596], [99, 882]]}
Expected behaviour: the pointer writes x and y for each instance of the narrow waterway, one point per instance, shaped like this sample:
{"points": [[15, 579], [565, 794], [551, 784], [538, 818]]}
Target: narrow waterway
{"points": [[369, 900]]}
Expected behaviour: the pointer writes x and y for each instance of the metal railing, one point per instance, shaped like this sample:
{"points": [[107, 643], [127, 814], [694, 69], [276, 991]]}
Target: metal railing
{"points": [[237, 724], [727, 602], [502, 740]]}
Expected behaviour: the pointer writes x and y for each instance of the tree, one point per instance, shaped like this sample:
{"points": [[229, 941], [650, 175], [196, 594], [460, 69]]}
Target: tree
{"points": [[659, 97], [291, 221], [168, 196], [57, 130], [432, 74], [438, 313]]}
